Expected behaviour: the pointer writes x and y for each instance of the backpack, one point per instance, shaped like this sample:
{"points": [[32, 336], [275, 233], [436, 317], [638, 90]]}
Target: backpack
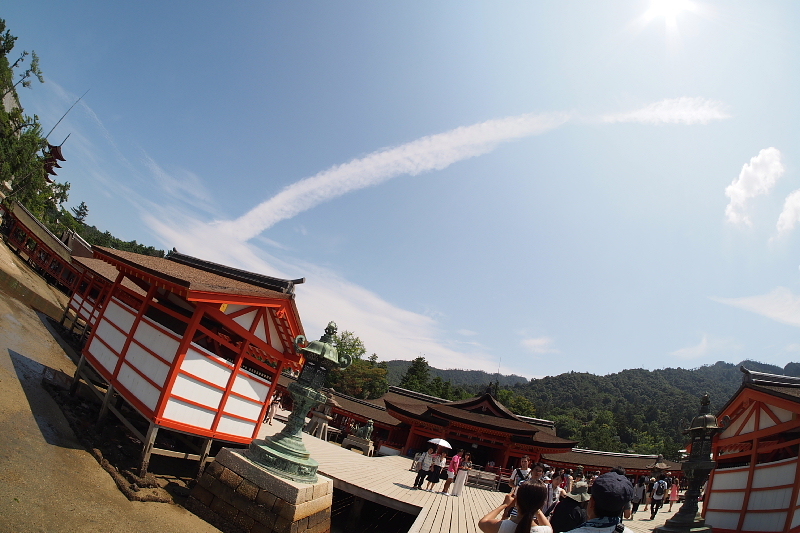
{"points": [[522, 478], [660, 487]]}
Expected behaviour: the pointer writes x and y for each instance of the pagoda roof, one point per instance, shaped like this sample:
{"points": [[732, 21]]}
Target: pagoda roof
{"points": [[483, 412], [198, 276], [600, 459]]}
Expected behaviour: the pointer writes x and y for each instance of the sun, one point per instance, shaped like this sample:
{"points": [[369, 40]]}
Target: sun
{"points": [[668, 10]]}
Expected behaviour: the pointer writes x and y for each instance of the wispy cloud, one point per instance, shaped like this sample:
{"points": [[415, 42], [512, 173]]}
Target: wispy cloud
{"points": [[684, 110], [467, 332], [434, 152], [757, 178], [790, 215], [539, 344], [780, 304], [693, 352], [706, 346]]}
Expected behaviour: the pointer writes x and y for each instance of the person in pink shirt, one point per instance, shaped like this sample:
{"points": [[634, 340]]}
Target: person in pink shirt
{"points": [[452, 470]]}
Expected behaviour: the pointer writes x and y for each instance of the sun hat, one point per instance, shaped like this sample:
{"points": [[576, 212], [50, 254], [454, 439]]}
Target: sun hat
{"points": [[580, 492]]}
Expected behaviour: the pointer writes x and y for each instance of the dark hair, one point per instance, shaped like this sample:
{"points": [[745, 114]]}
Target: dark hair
{"points": [[641, 481], [530, 498], [661, 476], [618, 470]]}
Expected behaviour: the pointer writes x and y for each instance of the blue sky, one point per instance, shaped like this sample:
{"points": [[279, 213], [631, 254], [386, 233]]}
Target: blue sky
{"points": [[535, 186]]}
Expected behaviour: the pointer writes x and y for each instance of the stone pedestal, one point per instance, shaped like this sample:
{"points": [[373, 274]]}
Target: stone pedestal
{"points": [[236, 495], [366, 446]]}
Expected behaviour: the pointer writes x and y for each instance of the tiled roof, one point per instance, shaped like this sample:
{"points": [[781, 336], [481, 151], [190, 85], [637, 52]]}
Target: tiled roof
{"points": [[787, 387], [598, 459], [187, 276], [365, 409], [482, 420], [106, 271], [98, 266]]}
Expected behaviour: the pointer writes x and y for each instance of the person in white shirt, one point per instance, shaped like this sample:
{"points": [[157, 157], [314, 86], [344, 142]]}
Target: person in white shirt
{"points": [[425, 462]]}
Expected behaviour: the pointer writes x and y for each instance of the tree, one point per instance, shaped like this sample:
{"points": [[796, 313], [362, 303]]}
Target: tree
{"points": [[417, 376], [21, 140], [517, 403], [347, 343], [364, 379], [81, 212]]}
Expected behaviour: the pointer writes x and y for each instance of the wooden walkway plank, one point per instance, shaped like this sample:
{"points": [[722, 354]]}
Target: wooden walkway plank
{"points": [[389, 481]]}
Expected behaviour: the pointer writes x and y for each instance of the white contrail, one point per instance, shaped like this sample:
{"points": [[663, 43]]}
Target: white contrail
{"points": [[684, 110], [433, 152]]}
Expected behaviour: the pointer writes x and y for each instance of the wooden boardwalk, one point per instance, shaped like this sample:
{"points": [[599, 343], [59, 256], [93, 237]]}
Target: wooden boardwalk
{"points": [[388, 481]]}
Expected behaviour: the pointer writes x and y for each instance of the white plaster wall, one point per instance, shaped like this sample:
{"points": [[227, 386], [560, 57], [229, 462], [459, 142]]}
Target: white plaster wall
{"points": [[120, 314], [191, 389], [722, 520], [775, 474], [111, 335], [251, 387], [241, 407], [764, 521], [205, 365], [148, 365], [188, 414], [138, 386], [233, 426], [156, 340]]}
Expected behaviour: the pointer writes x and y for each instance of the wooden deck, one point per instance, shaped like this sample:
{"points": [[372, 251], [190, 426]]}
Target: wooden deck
{"points": [[388, 482]]}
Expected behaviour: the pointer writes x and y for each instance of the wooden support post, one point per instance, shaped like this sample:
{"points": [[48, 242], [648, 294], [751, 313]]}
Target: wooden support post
{"points": [[147, 449], [106, 401], [205, 449], [64, 316], [76, 379]]}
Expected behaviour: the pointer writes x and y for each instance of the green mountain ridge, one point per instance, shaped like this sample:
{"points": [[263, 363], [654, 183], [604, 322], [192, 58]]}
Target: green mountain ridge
{"points": [[634, 410]]}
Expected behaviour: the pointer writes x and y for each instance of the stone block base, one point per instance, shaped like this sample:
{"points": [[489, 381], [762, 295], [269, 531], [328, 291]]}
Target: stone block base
{"points": [[366, 446], [238, 496]]}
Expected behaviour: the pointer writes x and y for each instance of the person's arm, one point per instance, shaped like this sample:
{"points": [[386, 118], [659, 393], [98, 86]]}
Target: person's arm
{"points": [[541, 519], [491, 523]]}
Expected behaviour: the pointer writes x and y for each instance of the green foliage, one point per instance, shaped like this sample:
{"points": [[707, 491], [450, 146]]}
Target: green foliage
{"points": [[517, 403], [347, 343], [364, 378], [417, 378], [471, 380], [21, 140], [80, 213]]}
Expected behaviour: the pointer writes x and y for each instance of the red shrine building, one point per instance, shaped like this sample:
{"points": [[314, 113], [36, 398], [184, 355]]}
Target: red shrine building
{"points": [[756, 486], [482, 426], [194, 347], [635, 465]]}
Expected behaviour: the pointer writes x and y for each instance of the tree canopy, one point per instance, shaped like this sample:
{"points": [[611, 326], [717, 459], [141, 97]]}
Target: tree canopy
{"points": [[364, 379]]}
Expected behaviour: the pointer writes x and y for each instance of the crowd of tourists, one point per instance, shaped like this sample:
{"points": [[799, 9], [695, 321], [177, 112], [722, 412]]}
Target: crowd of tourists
{"points": [[432, 466], [554, 501]]}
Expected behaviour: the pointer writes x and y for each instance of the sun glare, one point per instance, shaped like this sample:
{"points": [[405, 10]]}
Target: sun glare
{"points": [[668, 10]]}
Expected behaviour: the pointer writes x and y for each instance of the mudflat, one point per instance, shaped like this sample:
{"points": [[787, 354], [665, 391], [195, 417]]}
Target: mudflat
{"points": [[48, 481]]}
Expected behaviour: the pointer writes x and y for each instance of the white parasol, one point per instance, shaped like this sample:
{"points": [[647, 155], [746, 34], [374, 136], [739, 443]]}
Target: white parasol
{"points": [[441, 442]]}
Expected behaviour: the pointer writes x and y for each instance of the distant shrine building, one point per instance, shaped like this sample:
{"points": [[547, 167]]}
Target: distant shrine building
{"points": [[756, 486], [194, 347]]}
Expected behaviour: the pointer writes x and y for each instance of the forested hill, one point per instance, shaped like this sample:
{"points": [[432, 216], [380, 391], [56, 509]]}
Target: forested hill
{"points": [[469, 379], [633, 410], [637, 410]]}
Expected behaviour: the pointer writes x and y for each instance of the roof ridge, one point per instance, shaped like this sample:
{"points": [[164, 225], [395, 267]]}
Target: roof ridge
{"points": [[253, 278], [416, 395], [763, 378]]}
